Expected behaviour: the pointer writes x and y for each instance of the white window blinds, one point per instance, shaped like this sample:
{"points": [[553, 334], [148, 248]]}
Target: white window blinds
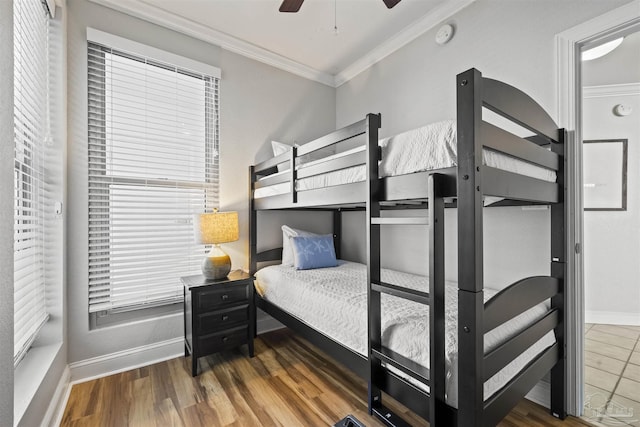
{"points": [[30, 187], [153, 163]]}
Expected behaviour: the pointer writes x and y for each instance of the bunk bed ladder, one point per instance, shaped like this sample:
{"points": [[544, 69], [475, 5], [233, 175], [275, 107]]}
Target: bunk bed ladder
{"points": [[380, 357]]}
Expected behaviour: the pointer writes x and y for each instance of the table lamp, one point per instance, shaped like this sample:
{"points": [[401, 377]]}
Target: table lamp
{"points": [[215, 228]]}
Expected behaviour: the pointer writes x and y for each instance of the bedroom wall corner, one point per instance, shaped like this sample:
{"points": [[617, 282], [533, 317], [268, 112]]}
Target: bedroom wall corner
{"points": [[261, 103]]}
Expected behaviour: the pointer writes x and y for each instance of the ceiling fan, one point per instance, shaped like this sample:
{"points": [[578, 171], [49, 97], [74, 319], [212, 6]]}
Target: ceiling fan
{"points": [[293, 6]]}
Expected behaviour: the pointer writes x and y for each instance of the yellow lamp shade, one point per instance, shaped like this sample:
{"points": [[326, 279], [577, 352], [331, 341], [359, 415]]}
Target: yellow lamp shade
{"points": [[215, 228]]}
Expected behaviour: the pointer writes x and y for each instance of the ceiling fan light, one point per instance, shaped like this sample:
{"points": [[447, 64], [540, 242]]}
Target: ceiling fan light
{"points": [[602, 50], [290, 6], [390, 3]]}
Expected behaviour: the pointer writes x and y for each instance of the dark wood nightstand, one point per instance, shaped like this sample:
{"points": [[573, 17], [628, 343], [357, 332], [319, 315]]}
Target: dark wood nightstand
{"points": [[218, 315]]}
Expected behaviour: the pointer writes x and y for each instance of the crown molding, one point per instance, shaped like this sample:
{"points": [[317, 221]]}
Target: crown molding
{"points": [[182, 25], [624, 89], [407, 35]]}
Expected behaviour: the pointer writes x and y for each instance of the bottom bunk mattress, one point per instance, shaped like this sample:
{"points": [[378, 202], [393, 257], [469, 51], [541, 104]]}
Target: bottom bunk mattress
{"points": [[334, 302]]}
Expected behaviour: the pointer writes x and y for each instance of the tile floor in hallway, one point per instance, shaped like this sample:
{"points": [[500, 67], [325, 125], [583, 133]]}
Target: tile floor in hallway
{"points": [[612, 375]]}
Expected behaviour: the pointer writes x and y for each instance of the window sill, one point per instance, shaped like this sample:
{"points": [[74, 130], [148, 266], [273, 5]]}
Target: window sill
{"points": [[109, 319], [29, 374]]}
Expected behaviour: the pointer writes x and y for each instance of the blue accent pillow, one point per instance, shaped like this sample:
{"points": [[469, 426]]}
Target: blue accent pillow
{"points": [[313, 252]]}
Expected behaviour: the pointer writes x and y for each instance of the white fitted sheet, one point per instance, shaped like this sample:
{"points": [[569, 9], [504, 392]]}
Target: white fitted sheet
{"points": [[427, 148], [334, 302]]}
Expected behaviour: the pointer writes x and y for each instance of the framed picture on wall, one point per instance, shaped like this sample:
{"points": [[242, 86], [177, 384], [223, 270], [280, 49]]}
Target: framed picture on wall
{"points": [[605, 174]]}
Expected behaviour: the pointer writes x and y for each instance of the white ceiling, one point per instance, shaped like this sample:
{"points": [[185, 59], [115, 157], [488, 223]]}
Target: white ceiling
{"points": [[621, 66], [305, 42]]}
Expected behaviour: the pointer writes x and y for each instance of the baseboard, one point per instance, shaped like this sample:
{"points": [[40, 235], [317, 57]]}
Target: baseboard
{"points": [[121, 361], [109, 364], [267, 324], [541, 394], [55, 411], [612, 318]]}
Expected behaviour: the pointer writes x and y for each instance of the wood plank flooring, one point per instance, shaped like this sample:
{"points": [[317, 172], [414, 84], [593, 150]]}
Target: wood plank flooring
{"points": [[288, 383]]}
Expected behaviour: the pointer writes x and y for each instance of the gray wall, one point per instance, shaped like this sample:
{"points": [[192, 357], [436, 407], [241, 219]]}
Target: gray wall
{"points": [[611, 244], [6, 212], [508, 40], [258, 103]]}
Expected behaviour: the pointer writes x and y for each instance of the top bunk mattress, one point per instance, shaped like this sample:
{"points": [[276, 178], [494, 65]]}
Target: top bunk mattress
{"points": [[427, 148], [334, 302]]}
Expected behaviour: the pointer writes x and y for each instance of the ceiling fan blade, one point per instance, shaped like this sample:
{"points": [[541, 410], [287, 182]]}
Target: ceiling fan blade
{"points": [[291, 5], [391, 3]]}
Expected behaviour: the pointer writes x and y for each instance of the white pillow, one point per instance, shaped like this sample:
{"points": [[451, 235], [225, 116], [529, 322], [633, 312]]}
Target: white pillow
{"points": [[287, 248], [280, 148]]}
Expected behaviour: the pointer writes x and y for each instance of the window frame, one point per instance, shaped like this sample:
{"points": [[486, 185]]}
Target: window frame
{"points": [[32, 135], [156, 57]]}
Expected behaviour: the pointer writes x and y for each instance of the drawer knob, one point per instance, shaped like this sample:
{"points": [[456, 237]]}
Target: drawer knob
{"points": [[225, 317], [225, 339], [225, 297]]}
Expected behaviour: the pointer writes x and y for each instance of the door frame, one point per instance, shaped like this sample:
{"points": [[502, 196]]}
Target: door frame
{"points": [[569, 44]]}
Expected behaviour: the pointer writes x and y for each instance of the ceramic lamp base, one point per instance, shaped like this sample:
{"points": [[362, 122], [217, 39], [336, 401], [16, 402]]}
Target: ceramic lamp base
{"points": [[216, 265]]}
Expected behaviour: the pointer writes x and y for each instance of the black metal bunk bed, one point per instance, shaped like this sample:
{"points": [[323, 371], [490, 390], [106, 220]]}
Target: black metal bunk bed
{"points": [[466, 184]]}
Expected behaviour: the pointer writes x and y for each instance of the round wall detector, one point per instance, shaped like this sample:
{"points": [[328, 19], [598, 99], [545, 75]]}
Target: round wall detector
{"points": [[622, 110], [444, 34]]}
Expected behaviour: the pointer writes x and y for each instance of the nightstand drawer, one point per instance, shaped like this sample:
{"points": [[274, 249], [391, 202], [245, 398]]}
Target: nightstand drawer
{"points": [[222, 319], [218, 297], [223, 340]]}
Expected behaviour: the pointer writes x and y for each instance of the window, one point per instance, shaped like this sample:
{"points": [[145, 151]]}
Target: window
{"points": [[153, 164], [31, 196]]}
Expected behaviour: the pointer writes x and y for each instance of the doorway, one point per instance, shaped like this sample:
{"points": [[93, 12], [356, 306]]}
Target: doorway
{"points": [[610, 81], [625, 19]]}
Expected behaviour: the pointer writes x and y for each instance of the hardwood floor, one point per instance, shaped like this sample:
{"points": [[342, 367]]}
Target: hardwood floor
{"points": [[288, 383]]}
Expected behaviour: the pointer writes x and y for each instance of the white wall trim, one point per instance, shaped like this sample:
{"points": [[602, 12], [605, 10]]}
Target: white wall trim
{"points": [[150, 13], [268, 324], [612, 318], [121, 361], [407, 35], [625, 89], [55, 411], [541, 394], [568, 82]]}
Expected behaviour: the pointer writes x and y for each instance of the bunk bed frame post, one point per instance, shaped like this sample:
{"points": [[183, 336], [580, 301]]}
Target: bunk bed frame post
{"points": [[437, 362], [558, 270], [253, 238], [293, 153], [470, 251], [337, 231], [253, 225], [375, 372]]}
